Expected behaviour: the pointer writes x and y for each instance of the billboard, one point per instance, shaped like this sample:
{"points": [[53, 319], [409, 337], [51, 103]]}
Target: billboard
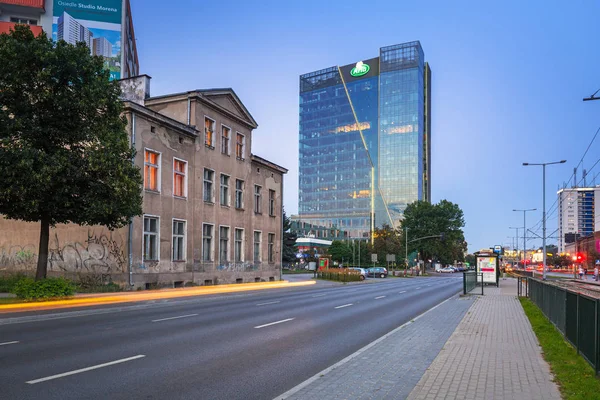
{"points": [[486, 265], [97, 23]]}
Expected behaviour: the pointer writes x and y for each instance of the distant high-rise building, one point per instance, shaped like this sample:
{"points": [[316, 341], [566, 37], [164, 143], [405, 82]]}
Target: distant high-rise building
{"points": [[365, 140], [102, 47], [578, 214]]}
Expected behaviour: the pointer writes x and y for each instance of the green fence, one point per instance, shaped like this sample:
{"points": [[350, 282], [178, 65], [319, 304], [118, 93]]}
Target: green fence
{"points": [[470, 280], [575, 315]]}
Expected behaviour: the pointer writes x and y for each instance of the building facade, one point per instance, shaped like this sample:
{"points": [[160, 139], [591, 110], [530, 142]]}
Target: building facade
{"points": [[365, 140], [578, 214], [106, 26], [212, 210]]}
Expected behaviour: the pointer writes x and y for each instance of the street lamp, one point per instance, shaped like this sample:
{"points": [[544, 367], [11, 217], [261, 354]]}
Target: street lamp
{"points": [[544, 209], [517, 245], [525, 230]]}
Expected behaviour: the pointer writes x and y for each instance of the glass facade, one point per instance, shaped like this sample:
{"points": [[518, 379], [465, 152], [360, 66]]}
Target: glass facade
{"points": [[364, 141]]}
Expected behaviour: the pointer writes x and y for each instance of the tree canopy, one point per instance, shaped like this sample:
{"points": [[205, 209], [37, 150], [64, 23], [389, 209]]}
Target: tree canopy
{"points": [[64, 151], [424, 219]]}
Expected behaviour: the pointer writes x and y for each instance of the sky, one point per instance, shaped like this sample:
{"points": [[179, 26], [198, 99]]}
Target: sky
{"points": [[508, 79]]}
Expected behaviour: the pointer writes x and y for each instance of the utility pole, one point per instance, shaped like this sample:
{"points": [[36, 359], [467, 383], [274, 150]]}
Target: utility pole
{"points": [[517, 246], [544, 209], [525, 230]]}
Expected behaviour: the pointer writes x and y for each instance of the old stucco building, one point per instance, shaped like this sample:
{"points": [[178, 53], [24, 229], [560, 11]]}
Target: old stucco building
{"points": [[212, 209]]}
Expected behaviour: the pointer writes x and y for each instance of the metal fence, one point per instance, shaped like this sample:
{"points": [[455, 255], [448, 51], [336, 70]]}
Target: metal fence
{"points": [[470, 281], [575, 315]]}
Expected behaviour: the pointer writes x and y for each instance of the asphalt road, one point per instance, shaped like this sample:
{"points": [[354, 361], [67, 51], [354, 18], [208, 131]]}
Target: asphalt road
{"points": [[255, 345]]}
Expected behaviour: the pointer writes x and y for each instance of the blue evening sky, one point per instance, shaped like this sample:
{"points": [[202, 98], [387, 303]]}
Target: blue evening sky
{"points": [[508, 82]]}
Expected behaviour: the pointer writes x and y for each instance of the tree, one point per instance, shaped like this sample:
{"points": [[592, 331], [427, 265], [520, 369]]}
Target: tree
{"points": [[289, 240], [340, 251], [386, 241], [64, 151], [424, 219]]}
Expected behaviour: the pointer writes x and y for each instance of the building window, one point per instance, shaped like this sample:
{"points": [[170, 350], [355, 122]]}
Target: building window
{"points": [[239, 245], [240, 144], [225, 135], [23, 20], [223, 244], [207, 242], [152, 171], [179, 178], [257, 199], [151, 236], [224, 190], [209, 177], [272, 203], [209, 132], [239, 193], [257, 240], [178, 240], [271, 247]]}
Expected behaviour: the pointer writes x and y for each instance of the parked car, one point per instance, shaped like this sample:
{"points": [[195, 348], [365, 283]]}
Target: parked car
{"points": [[363, 272], [447, 270], [377, 272]]}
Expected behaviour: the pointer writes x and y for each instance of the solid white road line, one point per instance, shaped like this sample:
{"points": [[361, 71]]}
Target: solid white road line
{"points": [[345, 305], [5, 343], [404, 291], [78, 371], [168, 319], [319, 295], [269, 302], [274, 323], [380, 297]]}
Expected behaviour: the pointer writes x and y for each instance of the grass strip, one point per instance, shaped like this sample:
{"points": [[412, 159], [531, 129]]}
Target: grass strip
{"points": [[575, 377]]}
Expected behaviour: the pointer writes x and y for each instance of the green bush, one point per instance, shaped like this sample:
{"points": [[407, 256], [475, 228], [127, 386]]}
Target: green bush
{"points": [[29, 289], [7, 282]]}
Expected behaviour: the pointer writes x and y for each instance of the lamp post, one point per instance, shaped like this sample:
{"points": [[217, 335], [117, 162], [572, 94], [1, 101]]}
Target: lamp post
{"points": [[525, 229], [544, 209], [517, 246]]}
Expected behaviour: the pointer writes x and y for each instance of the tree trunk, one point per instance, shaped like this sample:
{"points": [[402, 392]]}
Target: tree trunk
{"points": [[42, 265]]}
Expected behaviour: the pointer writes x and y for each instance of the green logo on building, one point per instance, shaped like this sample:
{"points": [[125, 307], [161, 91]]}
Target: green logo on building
{"points": [[360, 69]]}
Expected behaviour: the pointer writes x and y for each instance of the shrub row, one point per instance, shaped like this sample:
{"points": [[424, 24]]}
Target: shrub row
{"points": [[29, 289]]}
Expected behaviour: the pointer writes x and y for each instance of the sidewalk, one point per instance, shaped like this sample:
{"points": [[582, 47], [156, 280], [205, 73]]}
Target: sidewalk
{"points": [[476, 347]]}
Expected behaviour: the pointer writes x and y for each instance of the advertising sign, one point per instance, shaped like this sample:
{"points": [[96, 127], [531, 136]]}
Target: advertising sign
{"points": [[97, 23], [487, 266]]}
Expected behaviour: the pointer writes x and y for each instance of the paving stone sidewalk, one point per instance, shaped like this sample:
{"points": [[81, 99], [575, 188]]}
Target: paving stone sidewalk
{"points": [[390, 367], [493, 354]]}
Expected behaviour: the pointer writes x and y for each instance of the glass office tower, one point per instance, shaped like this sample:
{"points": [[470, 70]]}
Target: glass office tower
{"points": [[365, 145]]}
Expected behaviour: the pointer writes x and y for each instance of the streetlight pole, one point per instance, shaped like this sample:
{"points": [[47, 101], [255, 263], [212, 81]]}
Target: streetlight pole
{"points": [[544, 209], [517, 245], [406, 250], [525, 230]]}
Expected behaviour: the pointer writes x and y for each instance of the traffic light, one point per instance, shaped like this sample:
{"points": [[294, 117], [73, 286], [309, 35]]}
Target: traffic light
{"points": [[580, 257]]}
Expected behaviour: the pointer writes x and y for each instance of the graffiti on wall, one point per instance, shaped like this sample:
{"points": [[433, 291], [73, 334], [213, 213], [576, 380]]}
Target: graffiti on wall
{"points": [[100, 253], [238, 267], [18, 257]]}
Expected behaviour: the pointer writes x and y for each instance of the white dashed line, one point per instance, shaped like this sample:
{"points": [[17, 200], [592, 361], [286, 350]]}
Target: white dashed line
{"points": [[380, 297], [319, 295], [269, 302], [168, 319], [78, 371], [6, 343], [273, 323], [345, 305], [404, 291], [418, 288]]}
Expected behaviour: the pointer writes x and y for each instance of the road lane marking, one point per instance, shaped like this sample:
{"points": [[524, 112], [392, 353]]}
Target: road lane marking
{"points": [[380, 297], [319, 295], [170, 318], [418, 288], [345, 305], [79, 371], [404, 291], [268, 302], [273, 323], [6, 343]]}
